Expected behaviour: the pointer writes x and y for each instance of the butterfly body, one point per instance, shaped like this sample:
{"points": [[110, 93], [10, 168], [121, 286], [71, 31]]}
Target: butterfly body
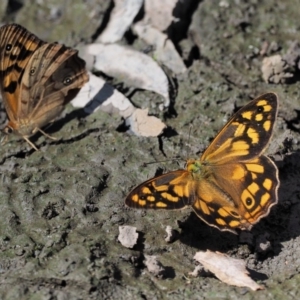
{"points": [[232, 185], [37, 79], [22, 127]]}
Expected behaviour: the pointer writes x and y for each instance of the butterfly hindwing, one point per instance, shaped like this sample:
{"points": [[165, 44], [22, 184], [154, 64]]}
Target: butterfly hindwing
{"points": [[54, 75], [238, 195]]}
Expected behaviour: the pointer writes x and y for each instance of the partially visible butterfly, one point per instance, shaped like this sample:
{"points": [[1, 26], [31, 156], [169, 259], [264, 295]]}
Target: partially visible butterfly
{"points": [[232, 185], [37, 79]]}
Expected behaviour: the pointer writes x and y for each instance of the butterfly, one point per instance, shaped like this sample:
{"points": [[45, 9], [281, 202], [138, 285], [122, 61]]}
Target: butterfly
{"points": [[233, 185], [37, 79]]}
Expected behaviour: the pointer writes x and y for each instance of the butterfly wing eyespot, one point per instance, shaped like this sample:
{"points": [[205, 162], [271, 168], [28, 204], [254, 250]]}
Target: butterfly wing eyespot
{"points": [[67, 81], [34, 80], [233, 185], [8, 47], [32, 71]]}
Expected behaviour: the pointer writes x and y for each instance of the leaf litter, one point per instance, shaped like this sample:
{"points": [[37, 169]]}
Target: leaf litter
{"points": [[229, 270]]}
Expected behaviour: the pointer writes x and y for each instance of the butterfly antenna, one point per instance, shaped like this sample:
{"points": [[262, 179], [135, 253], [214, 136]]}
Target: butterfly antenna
{"points": [[161, 161], [178, 158], [188, 149]]}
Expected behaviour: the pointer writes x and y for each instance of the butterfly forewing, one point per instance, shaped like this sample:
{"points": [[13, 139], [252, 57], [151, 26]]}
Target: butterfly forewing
{"points": [[167, 191], [247, 134], [17, 45]]}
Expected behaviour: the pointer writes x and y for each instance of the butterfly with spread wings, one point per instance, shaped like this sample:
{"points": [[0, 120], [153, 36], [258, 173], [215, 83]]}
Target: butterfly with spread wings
{"points": [[233, 185]]}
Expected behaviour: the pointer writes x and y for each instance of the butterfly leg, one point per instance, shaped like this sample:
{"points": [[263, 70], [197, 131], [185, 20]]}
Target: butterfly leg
{"points": [[45, 134], [4, 139], [34, 131], [30, 143]]}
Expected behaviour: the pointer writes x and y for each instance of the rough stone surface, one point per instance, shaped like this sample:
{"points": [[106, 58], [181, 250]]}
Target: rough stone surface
{"points": [[61, 207]]}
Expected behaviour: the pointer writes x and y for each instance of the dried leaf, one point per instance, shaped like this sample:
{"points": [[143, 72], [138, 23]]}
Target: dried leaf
{"points": [[128, 236], [130, 66], [104, 97], [158, 14], [143, 125], [108, 99], [120, 20], [229, 270], [165, 51]]}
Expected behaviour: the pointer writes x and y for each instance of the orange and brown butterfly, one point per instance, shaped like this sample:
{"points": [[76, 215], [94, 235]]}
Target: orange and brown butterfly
{"points": [[233, 185], [37, 79]]}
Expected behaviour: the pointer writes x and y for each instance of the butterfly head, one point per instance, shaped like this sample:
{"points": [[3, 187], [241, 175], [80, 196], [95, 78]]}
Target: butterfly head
{"points": [[8, 129], [195, 166], [22, 128]]}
